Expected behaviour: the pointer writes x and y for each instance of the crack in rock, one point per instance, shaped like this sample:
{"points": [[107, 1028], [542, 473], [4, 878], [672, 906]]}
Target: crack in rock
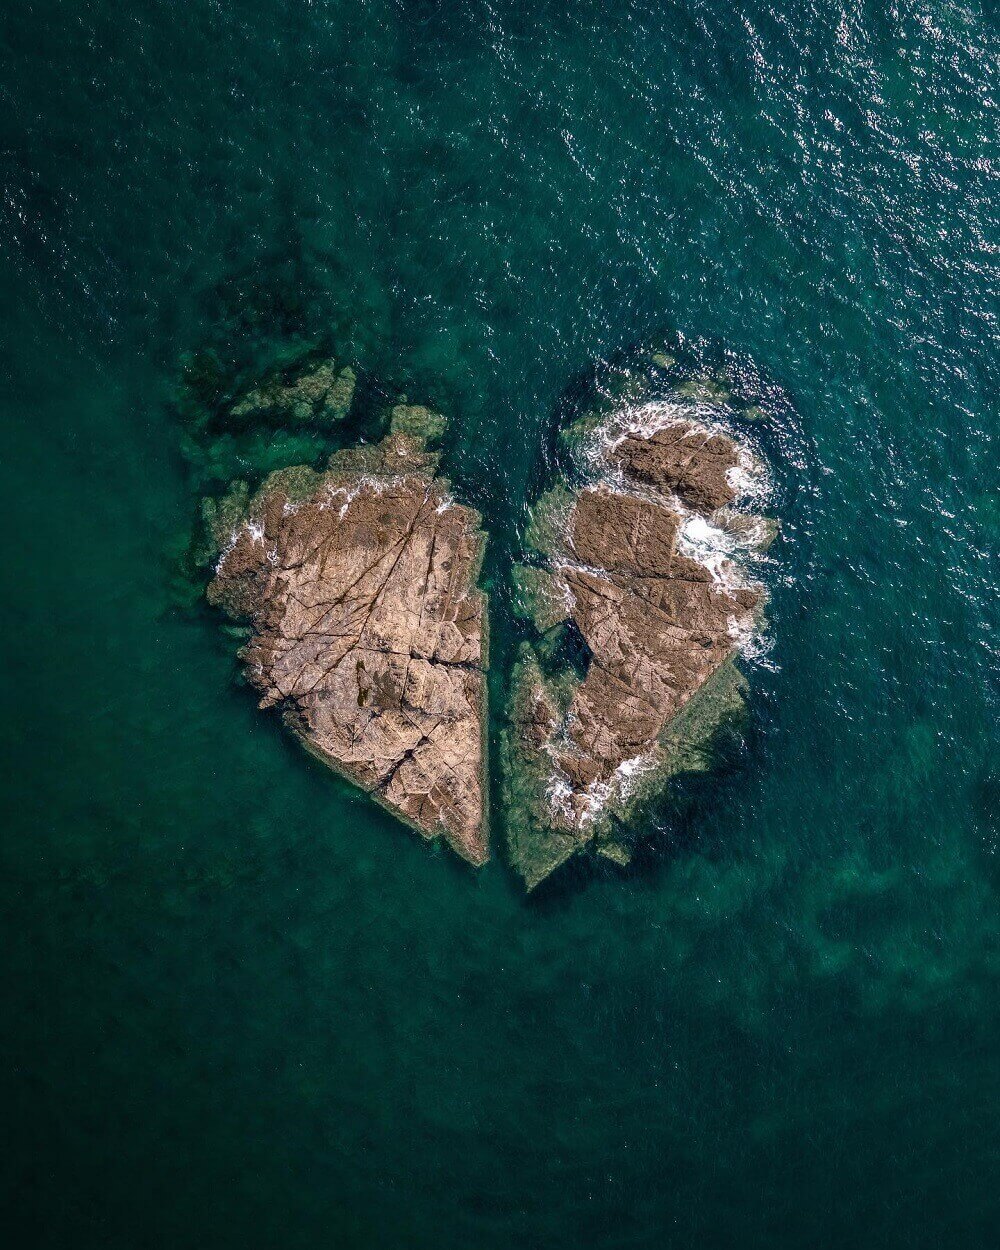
{"points": [[360, 585]]}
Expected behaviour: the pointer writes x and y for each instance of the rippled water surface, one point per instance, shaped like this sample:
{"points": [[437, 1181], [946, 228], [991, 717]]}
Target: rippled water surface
{"points": [[244, 1008]]}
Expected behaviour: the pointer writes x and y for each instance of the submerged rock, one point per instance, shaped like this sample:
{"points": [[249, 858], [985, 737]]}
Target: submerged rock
{"points": [[636, 565], [246, 414], [416, 420], [320, 392], [368, 628]]}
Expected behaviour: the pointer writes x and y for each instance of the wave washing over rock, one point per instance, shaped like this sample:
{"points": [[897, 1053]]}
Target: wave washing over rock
{"points": [[642, 598]]}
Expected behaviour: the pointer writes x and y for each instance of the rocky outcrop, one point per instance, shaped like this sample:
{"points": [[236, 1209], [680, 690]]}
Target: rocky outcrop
{"points": [[684, 459], [367, 627], [637, 583]]}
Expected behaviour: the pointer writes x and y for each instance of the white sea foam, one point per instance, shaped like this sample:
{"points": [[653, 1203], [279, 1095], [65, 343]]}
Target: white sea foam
{"points": [[713, 548], [753, 643], [589, 805], [644, 420], [730, 555], [365, 483], [559, 794], [749, 478], [338, 492], [596, 799], [628, 772], [252, 526], [227, 548]]}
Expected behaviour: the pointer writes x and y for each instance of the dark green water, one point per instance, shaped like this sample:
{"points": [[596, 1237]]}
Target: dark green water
{"points": [[243, 1008]]}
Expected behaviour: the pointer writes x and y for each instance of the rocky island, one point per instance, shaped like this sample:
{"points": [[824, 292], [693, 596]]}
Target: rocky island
{"points": [[368, 630], [354, 578], [641, 600]]}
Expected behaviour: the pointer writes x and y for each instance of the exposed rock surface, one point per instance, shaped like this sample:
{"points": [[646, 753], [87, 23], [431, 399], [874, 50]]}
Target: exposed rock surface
{"points": [[694, 463], [368, 629], [636, 560]]}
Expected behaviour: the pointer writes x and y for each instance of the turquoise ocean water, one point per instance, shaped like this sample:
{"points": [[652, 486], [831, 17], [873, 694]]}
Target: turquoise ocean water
{"points": [[243, 1008]]}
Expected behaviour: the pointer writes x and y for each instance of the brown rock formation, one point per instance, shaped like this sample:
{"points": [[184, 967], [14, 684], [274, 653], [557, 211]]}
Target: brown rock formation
{"points": [[658, 624], [369, 630]]}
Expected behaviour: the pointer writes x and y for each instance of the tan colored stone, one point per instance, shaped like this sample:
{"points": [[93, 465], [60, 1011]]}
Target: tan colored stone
{"points": [[369, 630], [658, 625]]}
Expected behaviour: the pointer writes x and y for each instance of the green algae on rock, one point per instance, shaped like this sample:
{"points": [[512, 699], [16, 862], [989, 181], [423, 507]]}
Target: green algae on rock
{"points": [[416, 420], [639, 571], [321, 392]]}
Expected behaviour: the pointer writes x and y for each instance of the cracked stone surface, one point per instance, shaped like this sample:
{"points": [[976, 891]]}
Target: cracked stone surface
{"points": [[693, 463], [368, 629], [659, 624]]}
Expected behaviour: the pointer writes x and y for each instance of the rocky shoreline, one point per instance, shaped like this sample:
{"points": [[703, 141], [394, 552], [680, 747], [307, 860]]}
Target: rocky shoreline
{"points": [[639, 573]]}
